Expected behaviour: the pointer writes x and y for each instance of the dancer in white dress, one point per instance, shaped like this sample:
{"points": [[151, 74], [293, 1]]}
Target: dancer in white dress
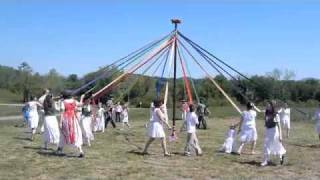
{"points": [[273, 136], [51, 133], [100, 119], [125, 117], [247, 128], [228, 145], [285, 118], [317, 119], [71, 133], [86, 122], [192, 139], [33, 116], [155, 128]]}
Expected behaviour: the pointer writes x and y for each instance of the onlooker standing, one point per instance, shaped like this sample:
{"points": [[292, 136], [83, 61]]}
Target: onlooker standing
{"points": [[118, 111]]}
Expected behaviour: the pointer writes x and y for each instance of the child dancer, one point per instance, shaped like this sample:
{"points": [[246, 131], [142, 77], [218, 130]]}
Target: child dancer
{"points": [[125, 115], [228, 144], [273, 136], [285, 118], [100, 120], [192, 140]]}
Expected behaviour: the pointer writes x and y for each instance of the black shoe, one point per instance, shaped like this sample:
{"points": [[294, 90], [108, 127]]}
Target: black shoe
{"points": [[282, 159], [81, 155]]}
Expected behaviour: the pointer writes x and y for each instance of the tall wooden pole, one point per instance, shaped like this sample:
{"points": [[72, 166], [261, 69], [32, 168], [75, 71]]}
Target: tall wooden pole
{"points": [[175, 22]]}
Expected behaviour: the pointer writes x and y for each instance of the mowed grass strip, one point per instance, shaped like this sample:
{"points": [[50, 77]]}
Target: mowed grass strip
{"points": [[116, 154]]}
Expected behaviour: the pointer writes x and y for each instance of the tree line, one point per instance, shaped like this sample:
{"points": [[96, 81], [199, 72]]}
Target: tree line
{"points": [[24, 81]]}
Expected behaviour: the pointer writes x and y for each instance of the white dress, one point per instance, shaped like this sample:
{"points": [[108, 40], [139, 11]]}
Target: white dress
{"points": [[228, 144], [248, 131], [51, 130], [317, 118], [272, 145], [86, 124], [285, 118], [155, 128], [71, 133], [33, 115], [100, 121], [125, 116]]}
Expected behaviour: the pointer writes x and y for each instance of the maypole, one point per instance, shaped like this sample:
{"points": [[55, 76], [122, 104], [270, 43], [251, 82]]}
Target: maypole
{"points": [[175, 22]]}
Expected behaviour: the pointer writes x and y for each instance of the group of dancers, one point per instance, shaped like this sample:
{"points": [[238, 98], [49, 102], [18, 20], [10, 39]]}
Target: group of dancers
{"points": [[274, 118], [247, 130], [78, 119]]}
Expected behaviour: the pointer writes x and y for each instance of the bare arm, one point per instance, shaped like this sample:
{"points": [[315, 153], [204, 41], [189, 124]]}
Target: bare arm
{"points": [[162, 118]]}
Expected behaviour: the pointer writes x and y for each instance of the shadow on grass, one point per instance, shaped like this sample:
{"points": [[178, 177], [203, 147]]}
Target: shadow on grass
{"points": [[22, 138], [32, 147], [53, 153], [136, 152], [256, 163], [306, 145]]}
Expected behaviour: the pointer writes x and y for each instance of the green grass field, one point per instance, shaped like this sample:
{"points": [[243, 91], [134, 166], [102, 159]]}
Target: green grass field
{"points": [[116, 155]]}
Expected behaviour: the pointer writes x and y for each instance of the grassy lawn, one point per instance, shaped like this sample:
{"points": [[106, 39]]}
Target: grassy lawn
{"points": [[10, 110], [115, 155], [9, 97]]}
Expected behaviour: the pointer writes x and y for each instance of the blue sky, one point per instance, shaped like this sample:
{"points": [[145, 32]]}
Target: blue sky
{"points": [[80, 36]]}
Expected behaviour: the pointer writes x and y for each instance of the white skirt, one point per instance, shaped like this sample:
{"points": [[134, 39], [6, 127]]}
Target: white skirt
{"points": [[33, 120], [286, 123], [125, 119], [51, 130], [248, 134], [272, 145], [155, 130], [99, 124], [228, 145], [86, 125]]}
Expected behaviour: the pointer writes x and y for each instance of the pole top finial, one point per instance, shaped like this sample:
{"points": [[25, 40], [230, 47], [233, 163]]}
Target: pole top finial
{"points": [[175, 21]]}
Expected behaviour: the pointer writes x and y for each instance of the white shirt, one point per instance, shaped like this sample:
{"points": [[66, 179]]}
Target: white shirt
{"points": [[285, 113], [249, 118], [119, 108], [191, 122], [33, 107]]}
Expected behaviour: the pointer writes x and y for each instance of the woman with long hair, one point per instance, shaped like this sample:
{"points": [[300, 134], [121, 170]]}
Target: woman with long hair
{"points": [[51, 133], [273, 136]]}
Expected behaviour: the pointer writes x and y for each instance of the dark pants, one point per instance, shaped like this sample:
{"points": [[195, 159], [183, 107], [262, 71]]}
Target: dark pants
{"points": [[202, 121], [109, 119], [118, 116]]}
